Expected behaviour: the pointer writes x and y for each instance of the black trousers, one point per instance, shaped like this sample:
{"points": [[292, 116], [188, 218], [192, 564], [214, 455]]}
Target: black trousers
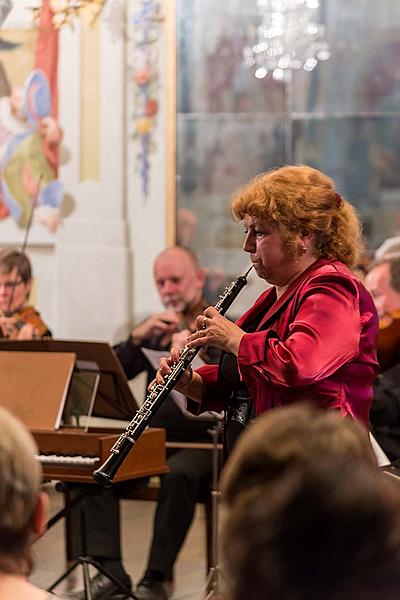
{"points": [[188, 479]]}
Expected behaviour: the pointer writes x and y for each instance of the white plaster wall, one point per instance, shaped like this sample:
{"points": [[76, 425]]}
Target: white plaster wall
{"points": [[92, 255]]}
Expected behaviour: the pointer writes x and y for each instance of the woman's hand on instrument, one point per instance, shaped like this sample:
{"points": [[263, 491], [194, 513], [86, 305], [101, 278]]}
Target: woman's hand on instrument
{"points": [[215, 330], [166, 365]]}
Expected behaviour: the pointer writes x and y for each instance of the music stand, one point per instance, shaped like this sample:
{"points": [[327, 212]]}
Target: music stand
{"points": [[114, 398]]}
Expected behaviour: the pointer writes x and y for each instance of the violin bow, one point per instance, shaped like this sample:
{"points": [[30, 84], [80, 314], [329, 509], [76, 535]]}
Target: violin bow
{"points": [[35, 199]]}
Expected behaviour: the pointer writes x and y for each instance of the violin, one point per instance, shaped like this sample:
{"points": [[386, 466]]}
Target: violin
{"points": [[24, 316], [388, 345]]}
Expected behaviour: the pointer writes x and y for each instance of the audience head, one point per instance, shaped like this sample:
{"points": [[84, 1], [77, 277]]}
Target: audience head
{"points": [[15, 279], [309, 514], [296, 200], [179, 278], [292, 435], [23, 508], [383, 282], [328, 529]]}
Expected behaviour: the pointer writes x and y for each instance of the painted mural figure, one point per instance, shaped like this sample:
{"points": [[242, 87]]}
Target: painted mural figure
{"points": [[28, 166]]}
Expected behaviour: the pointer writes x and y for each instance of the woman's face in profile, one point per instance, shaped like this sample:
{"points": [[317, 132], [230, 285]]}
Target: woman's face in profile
{"points": [[272, 259]]}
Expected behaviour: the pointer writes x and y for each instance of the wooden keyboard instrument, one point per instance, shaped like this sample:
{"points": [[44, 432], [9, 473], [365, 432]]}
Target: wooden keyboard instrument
{"points": [[72, 455]]}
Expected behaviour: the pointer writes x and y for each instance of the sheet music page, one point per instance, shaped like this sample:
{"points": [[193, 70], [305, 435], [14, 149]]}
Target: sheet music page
{"points": [[153, 356], [81, 396], [381, 457]]}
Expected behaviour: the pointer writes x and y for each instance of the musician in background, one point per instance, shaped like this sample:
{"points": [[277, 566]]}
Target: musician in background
{"points": [[18, 319], [179, 281], [383, 281], [312, 335]]}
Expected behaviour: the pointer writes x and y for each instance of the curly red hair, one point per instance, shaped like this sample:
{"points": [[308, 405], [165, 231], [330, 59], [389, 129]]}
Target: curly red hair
{"points": [[299, 199]]}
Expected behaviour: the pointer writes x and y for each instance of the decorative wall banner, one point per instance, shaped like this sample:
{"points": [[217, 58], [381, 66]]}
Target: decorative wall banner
{"points": [[147, 24]]}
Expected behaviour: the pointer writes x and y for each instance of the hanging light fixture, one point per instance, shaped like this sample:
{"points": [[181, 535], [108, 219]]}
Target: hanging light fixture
{"points": [[64, 11], [287, 39]]}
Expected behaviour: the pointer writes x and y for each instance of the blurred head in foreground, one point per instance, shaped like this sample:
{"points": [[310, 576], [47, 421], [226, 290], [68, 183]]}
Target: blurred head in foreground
{"points": [[23, 507], [290, 436], [309, 514], [324, 530]]}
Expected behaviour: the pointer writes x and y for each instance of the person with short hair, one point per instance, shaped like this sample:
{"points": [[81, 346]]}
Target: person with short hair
{"points": [[292, 435], [23, 509], [383, 282], [328, 529], [307, 513], [18, 319]]}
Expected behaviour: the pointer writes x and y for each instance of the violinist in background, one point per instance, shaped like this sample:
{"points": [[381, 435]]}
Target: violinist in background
{"points": [[18, 319], [383, 281]]}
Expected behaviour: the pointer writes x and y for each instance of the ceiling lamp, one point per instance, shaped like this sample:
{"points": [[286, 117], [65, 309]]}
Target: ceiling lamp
{"points": [[288, 38]]}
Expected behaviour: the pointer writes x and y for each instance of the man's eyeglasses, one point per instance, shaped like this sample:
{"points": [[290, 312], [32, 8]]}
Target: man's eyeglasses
{"points": [[8, 285]]}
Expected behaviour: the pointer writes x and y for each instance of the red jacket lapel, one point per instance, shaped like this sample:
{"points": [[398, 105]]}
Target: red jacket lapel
{"points": [[269, 297]]}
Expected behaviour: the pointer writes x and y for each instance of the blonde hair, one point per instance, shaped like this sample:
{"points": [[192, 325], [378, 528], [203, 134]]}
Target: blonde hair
{"points": [[20, 479], [299, 199], [287, 436]]}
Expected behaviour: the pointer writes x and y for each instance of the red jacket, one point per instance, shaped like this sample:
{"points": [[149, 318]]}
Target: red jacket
{"points": [[316, 342]]}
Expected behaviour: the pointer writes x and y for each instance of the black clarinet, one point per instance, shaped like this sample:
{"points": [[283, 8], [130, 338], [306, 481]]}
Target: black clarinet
{"points": [[106, 473]]}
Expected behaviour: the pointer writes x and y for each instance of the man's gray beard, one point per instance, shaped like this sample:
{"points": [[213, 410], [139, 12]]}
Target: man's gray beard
{"points": [[178, 307]]}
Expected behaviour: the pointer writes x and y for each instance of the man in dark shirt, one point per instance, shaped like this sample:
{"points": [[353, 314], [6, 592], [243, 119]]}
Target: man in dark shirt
{"points": [[383, 281], [179, 281]]}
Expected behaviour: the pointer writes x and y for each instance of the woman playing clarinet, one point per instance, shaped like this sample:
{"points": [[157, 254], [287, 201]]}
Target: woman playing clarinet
{"points": [[312, 334]]}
